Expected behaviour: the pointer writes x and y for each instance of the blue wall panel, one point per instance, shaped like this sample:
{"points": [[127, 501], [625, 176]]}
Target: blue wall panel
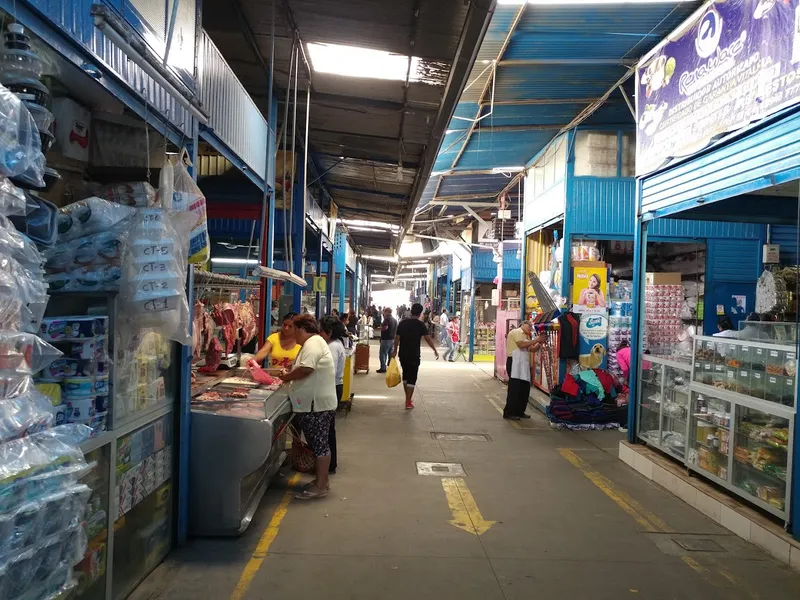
{"points": [[786, 237], [485, 267], [732, 269], [600, 206], [766, 156], [512, 266]]}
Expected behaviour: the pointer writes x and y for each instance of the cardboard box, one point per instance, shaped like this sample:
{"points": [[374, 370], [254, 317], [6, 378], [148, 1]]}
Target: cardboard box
{"points": [[663, 278], [72, 126]]}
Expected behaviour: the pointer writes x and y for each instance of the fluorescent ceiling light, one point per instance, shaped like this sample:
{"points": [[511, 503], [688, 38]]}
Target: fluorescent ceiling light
{"points": [[392, 259], [352, 61], [507, 169], [234, 261]]}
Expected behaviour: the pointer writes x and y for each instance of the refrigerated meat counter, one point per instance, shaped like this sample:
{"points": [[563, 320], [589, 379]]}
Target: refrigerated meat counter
{"points": [[238, 443]]}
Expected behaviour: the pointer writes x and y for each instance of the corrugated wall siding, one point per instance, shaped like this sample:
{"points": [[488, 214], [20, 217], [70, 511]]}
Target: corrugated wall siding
{"points": [[765, 157], [485, 267], [786, 237], [607, 207], [74, 18], [233, 116]]}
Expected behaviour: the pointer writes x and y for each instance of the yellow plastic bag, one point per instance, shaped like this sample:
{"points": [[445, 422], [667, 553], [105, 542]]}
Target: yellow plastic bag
{"points": [[393, 376]]}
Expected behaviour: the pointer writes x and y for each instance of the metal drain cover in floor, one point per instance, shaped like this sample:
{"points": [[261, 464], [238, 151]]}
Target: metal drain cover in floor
{"points": [[438, 469], [461, 437], [698, 544]]}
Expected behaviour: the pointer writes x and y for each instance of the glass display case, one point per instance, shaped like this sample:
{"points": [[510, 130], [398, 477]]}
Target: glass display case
{"points": [[664, 405], [709, 435], [226, 487], [769, 332]]}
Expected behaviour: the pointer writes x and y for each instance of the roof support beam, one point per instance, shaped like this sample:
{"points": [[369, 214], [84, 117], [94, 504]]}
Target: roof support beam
{"points": [[539, 102], [464, 204], [627, 62], [471, 211], [479, 14], [488, 84]]}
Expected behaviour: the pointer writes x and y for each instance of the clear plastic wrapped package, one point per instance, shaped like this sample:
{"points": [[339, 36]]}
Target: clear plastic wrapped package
{"points": [[189, 199], [138, 193], [23, 415], [15, 245], [19, 138], [12, 199], [23, 353], [152, 293], [90, 216], [99, 249]]}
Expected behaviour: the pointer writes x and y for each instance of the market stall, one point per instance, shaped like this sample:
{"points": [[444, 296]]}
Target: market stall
{"points": [[227, 487], [725, 406]]}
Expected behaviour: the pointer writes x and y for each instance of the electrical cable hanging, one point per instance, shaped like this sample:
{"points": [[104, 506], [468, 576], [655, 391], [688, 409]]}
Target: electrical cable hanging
{"points": [[284, 143], [290, 268]]}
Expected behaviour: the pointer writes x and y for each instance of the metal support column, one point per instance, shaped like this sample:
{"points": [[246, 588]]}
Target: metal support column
{"points": [[185, 397], [297, 240], [318, 295], [637, 320]]}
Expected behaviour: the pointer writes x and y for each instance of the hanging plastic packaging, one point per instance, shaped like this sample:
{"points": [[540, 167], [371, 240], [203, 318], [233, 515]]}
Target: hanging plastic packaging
{"points": [[139, 194], [19, 139], [90, 216], [24, 353], [24, 415], [152, 293], [12, 199], [18, 246], [166, 183], [187, 198]]}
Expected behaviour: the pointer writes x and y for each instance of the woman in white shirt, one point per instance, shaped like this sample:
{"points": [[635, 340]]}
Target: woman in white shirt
{"points": [[313, 396], [335, 333]]}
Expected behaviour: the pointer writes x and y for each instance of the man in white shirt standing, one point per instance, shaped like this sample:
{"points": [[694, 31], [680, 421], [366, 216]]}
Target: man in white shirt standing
{"points": [[443, 321]]}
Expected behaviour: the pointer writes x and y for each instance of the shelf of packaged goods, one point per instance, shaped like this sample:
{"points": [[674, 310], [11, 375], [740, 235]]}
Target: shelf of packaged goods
{"points": [[668, 362], [764, 406], [707, 447], [685, 392], [756, 470], [671, 418], [759, 444], [700, 419]]}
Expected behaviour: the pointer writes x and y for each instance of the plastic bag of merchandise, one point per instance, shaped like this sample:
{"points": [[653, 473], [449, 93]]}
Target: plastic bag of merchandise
{"points": [[166, 183], [24, 415], [12, 199], [23, 291], [90, 216], [138, 193], [188, 198], [104, 248], [23, 353], [19, 138], [18, 246], [152, 292]]}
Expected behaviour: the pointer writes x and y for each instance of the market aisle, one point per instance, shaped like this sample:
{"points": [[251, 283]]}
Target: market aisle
{"points": [[560, 517]]}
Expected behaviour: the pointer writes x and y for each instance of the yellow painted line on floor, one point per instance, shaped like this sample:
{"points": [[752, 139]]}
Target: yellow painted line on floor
{"points": [[647, 520], [514, 424], [466, 514], [269, 535]]}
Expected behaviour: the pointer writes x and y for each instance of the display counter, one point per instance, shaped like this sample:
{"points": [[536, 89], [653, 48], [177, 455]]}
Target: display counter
{"points": [[727, 415], [238, 444]]}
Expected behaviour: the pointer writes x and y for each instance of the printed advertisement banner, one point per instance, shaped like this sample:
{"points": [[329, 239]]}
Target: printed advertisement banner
{"points": [[732, 63], [589, 286]]}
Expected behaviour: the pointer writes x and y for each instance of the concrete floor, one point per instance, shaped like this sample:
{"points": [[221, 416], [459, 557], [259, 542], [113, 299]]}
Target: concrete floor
{"points": [[571, 520]]}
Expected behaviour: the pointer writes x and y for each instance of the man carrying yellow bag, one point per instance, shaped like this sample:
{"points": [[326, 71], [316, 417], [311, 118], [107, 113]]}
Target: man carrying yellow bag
{"points": [[410, 334], [393, 377]]}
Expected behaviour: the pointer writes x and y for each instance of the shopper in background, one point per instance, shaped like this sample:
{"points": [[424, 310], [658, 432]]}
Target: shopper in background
{"points": [[333, 332], [281, 347], [725, 328], [453, 332], [624, 359], [519, 346], [410, 333], [313, 395], [388, 333], [352, 322], [443, 321]]}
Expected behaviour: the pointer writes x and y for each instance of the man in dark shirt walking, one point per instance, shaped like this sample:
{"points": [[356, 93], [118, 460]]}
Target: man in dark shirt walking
{"points": [[410, 333], [388, 331]]}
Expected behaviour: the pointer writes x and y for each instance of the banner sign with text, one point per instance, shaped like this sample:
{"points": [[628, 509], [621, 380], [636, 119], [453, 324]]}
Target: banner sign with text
{"points": [[732, 63]]}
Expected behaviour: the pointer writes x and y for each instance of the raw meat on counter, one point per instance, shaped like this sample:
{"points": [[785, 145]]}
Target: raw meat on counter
{"points": [[208, 397], [239, 393]]}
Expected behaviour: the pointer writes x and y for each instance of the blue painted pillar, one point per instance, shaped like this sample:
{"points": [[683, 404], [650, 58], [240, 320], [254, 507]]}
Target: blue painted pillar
{"points": [[331, 280], [637, 321], [318, 295], [523, 280], [449, 285], [272, 149], [297, 239], [472, 306], [340, 258]]}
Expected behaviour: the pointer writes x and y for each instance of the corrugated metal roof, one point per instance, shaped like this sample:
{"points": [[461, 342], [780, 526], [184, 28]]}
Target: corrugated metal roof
{"points": [[557, 62]]}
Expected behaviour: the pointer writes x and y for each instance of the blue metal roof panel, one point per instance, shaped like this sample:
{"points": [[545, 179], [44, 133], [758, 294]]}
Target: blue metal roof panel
{"points": [[457, 185], [503, 148], [561, 82]]}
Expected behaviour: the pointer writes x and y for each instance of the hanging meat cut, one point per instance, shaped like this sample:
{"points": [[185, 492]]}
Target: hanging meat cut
{"points": [[247, 322], [213, 357], [224, 316], [198, 315]]}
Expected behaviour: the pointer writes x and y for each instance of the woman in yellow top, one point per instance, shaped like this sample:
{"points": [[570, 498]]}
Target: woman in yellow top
{"points": [[281, 347]]}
